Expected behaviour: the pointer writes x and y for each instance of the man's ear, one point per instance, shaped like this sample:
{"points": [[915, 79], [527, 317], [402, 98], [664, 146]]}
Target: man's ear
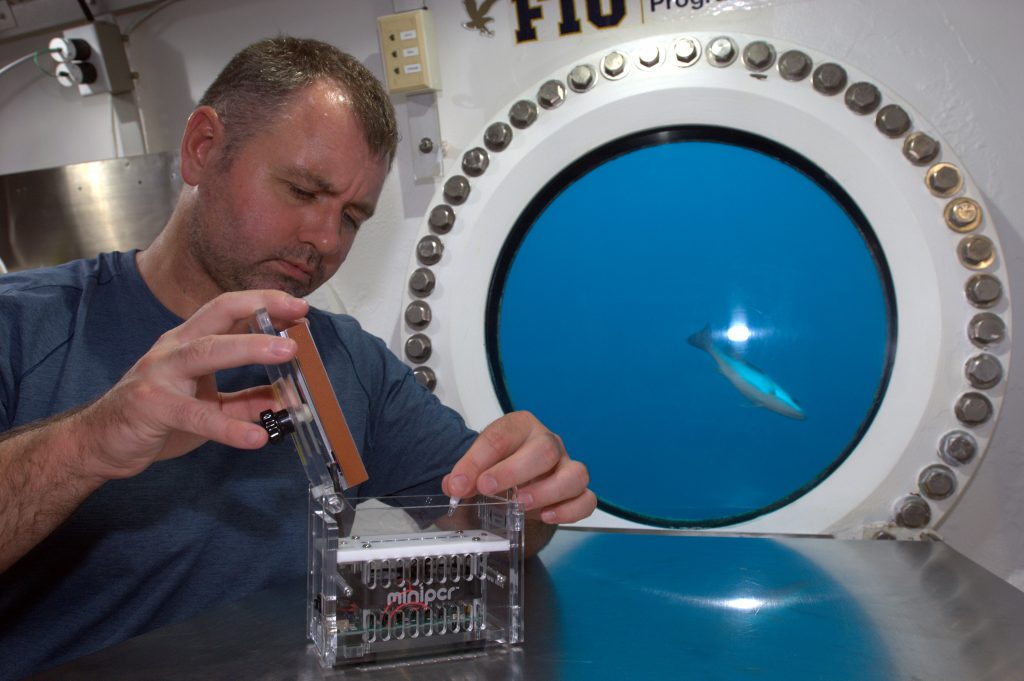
{"points": [[201, 145]]}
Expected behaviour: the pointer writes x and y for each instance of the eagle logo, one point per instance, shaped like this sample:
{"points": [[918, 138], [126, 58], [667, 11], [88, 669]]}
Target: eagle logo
{"points": [[478, 18]]}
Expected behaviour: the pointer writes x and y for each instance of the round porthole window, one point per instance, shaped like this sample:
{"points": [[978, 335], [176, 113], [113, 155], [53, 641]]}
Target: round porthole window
{"points": [[757, 293], [731, 332]]}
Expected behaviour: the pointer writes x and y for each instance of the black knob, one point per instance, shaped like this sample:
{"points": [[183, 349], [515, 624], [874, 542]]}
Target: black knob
{"points": [[277, 424]]}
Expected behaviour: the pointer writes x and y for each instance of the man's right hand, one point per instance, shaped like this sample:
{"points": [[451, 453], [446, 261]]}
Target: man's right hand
{"points": [[168, 403]]}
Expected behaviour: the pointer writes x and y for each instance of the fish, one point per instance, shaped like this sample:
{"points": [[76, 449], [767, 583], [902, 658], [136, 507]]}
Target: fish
{"points": [[752, 383]]}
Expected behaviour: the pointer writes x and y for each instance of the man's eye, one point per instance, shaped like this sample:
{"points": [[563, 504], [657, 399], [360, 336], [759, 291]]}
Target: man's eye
{"points": [[301, 193], [351, 221]]}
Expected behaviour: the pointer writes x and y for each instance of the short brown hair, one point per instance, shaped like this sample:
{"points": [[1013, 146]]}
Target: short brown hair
{"points": [[260, 81]]}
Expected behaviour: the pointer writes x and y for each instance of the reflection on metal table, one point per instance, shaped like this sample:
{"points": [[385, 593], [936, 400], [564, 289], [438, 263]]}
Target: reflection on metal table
{"points": [[653, 606]]}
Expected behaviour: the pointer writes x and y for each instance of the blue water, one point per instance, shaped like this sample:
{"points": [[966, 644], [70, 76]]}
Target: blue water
{"points": [[647, 249]]}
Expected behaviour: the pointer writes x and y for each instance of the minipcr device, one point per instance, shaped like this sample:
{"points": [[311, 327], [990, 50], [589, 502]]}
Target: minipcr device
{"points": [[391, 577]]}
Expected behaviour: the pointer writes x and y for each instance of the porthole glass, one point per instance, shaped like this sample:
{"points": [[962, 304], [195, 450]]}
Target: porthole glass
{"points": [[703, 315]]}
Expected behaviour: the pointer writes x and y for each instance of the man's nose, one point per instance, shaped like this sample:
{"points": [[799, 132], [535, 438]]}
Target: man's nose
{"points": [[323, 232]]}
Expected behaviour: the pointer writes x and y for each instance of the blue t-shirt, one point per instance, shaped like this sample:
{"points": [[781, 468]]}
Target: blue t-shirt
{"points": [[205, 528]]}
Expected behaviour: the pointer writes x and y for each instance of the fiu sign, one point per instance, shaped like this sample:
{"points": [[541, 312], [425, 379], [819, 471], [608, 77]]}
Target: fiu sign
{"points": [[546, 19]]}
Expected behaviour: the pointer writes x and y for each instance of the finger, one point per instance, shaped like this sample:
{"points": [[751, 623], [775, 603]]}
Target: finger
{"points": [[210, 354], [567, 481], [537, 457], [495, 442], [571, 510], [210, 423], [230, 312], [250, 403]]}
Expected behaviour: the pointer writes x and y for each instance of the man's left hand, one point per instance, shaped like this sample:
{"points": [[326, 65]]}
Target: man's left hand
{"points": [[518, 451]]}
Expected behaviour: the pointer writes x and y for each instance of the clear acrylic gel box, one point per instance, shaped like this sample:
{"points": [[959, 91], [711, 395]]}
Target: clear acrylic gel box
{"points": [[398, 577]]}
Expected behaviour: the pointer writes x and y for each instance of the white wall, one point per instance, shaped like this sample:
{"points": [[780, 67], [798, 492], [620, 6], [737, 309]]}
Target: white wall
{"points": [[955, 61]]}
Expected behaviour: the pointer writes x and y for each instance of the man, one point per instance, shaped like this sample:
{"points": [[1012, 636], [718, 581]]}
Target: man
{"points": [[107, 378]]}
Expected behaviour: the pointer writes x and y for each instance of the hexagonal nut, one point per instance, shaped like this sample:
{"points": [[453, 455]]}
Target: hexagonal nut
{"points": [[426, 377], [976, 252], [794, 65], [862, 98], [498, 136], [582, 78], [963, 214], [983, 290], [418, 314], [958, 447], [986, 329], [475, 162], [613, 65], [920, 149], [422, 282], [829, 78], [456, 190], [973, 409], [522, 114], [758, 56], [418, 348], [649, 57], [687, 51], [429, 250], [441, 219], [551, 94], [983, 371], [912, 511], [937, 482], [721, 51], [892, 120], [944, 179]]}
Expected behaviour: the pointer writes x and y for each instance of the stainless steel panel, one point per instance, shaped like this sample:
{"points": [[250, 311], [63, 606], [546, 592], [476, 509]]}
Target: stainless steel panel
{"points": [[59, 214], [658, 606]]}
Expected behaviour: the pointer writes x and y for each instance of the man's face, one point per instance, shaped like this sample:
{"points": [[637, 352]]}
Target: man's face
{"points": [[284, 211]]}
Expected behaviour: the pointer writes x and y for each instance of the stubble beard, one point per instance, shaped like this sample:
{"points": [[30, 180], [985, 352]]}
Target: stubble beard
{"points": [[230, 266]]}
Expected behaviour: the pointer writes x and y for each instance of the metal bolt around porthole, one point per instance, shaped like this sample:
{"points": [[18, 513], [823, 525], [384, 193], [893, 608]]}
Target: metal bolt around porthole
{"points": [[913, 512], [983, 371], [649, 57], [758, 56], [687, 51], [829, 79], [582, 78], [426, 145], [426, 377], [417, 348], [418, 314], [522, 114], [442, 218], [937, 482], [944, 179], [986, 329], [721, 51], [920, 149], [551, 94], [862, 98], [456, 189], [973, 409], [983, 290], [429, 250], [794, 65], [957, 447], [498, 136], [963, 214], [613, 65], [475, 161], [422, 282], [892, 120], [976, 252]]}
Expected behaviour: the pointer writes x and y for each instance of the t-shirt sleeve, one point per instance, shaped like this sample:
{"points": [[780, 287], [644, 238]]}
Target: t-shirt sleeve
{"points": [[412, 439]]}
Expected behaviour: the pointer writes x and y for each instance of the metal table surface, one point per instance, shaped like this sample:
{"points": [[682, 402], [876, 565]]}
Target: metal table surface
{"points": [[606, 605]]}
